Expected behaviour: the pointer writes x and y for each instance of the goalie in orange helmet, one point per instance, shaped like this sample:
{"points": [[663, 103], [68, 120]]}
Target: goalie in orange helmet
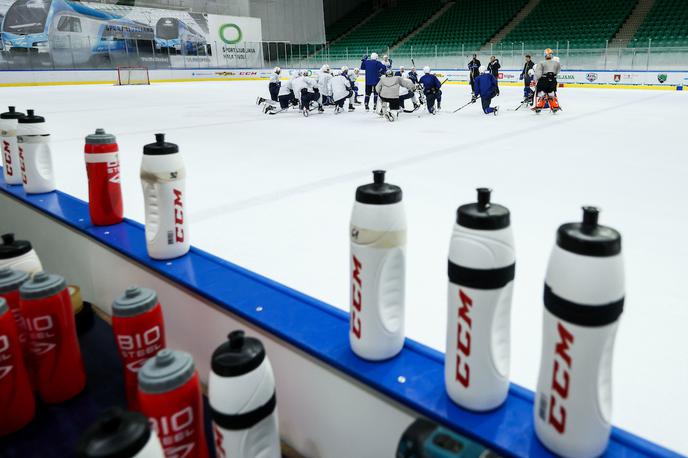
{"points": [[546, 73]]}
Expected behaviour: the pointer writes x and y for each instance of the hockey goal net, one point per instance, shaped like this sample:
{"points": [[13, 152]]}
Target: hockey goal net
{"points": [[132, 75]]}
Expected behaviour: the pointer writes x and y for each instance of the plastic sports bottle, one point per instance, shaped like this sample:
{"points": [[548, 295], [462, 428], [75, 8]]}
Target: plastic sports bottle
{"points": [[10, 149], [241, 392], [104, 189], [10, 281], [481, 272], [378, 270], [120, 434], [584, 298], [139, 332], [17, 403], [19, 255], [49, 317], [35, 158], [163, 178], [170, 396]]}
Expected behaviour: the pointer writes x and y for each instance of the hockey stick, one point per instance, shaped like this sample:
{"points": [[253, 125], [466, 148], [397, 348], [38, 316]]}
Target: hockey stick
{"points": [[461, 108]]}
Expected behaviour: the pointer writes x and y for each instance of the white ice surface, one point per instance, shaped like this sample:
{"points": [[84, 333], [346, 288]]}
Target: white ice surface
{"points": [[274, 194]]}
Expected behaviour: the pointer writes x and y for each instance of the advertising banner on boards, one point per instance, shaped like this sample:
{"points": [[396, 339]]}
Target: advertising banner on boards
{"points": [[68, 34]]}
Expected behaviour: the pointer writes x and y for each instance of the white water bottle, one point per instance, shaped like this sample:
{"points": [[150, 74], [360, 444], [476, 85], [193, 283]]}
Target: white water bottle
{"points": [[10, 149], [120, 434], [584, 298], [19, 255], [481, 279], [163, 179], [243, 405], [378, 270], [35, 158]]}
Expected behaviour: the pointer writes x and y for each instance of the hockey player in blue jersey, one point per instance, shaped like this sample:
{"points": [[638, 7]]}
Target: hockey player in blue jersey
{"points": [[485, 87], [432, 90], [373, 69]]}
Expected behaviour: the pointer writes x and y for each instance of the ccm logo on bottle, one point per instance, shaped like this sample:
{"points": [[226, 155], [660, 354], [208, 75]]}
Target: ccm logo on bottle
{"points": [[8, 158], [356, 298], [463, 339], [174, 429], [22, 166], [178, 216], [561, 378]]}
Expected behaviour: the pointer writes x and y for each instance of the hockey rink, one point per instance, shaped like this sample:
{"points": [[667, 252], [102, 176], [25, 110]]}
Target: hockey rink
{"points": [[274, 194]]}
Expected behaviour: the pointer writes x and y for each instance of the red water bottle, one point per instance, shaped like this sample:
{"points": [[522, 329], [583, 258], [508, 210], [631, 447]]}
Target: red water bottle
{"points": [[104, 189], [47, 310], [139, 332], [10, 281], [16, 395], [170, 396]]}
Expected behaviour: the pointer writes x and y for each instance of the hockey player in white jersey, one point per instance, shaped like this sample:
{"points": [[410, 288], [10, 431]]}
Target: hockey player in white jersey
{"points": [[353, 76], [340, 86], [388, 88], [405, 94], [285, 98], [275, 83], [307, 92], [324, 79], [387, 61]]}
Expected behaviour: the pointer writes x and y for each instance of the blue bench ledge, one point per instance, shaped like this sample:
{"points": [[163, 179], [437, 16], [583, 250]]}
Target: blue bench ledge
{"points": [[321, 330]]}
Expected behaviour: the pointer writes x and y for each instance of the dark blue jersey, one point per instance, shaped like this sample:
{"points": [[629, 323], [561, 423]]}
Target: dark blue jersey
{"points": [[430, 83], [373, 70], [485, 85]]}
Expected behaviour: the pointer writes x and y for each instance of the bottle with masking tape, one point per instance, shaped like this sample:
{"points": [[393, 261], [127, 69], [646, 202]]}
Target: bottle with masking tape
{"points": [[120, 434], [19, 255], [10, 149], [137, 323], [481, 272], [378, 270], [104, 189], [243, 402], [163, 179], [17, 402], [47, 310], [170, 396], [35, 157], [584, 298]]}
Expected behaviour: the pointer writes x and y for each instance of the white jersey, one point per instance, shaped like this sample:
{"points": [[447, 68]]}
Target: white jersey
{"points": [[402, 89], [353, 77], [340, 87], [303, 82], [274, 78], [324, 83], [286, 87]]}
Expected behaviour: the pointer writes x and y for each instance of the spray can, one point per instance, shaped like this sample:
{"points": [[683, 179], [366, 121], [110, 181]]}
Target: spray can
{"points": [[481, 272], [10, 281], [584, 298], [163, 179], [17, 403], [10, 149], [120, 434], [104, 189], [243, 403], [35, 157], [139, 332], [49, 317], [378, 270], [19, 255], [170, 396]]}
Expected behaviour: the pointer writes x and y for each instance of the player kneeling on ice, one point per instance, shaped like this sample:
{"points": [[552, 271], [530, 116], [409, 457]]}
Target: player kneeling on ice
{"points": [[388, 88], [546, 73], [324, 84], [353, 76], [405, 94], [485, 87], [285, 97], [275, 83], [306, 90], [431, 88], [340, 87]]}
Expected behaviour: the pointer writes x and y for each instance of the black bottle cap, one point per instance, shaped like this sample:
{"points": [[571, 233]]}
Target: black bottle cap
{"points": [[378, 192], [11, 248], [239, 355], [160, 147], [116, 434], [588, 238], [483, 215], [31, 118], [11, 114]]}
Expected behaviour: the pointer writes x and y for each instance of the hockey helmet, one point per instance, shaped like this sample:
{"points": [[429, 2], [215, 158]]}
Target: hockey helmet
{"points": [[356, 70], [555, 58], [277, 70], [482, 69], [531, 72], [374, 56], [345, 69], [426, 69], [389, 72], [325, 68], [401, 68]]}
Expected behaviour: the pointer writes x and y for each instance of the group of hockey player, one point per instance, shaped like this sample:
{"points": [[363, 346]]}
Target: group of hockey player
{"points": [[390, 90]]}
